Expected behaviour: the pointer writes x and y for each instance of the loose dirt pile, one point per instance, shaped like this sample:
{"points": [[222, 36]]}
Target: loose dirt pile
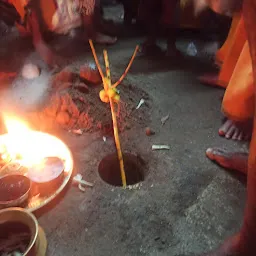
{"points": [[75, 104]]}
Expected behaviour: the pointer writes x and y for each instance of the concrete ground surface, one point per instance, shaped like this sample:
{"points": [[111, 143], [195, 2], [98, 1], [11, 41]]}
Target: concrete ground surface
{"points": [[186, 205]]}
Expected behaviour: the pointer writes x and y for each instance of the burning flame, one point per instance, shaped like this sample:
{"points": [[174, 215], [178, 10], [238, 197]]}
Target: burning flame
{"points": [[30, 147]]}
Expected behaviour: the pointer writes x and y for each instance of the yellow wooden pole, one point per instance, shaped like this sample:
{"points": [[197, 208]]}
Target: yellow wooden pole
{"points": [[116, 135], [98, 64], [108, 85]]}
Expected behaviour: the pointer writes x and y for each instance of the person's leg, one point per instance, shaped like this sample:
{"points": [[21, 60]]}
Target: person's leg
{"points": [[211, 79], [238, 101], [244, 243], [223, 51], [234, 53], [39, 43], [107, 27], [234, 130], [149, 14], [223, 77], [130, 10], [91, 21], [237, 161], [248, 231], [170, 19]]}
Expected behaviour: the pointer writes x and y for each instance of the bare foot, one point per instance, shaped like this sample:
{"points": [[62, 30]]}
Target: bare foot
{"points": [[104, 39], [209, 79], [236, 131], [230, 160], [232, 247]]}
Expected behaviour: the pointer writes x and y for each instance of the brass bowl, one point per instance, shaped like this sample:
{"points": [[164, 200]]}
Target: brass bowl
{"points": [[48, 175], [28, 219], [14, 190]]}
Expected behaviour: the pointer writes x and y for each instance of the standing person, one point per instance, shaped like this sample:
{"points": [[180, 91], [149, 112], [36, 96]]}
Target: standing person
{"points": [[236, 77], [243, 243], [156, 12]]}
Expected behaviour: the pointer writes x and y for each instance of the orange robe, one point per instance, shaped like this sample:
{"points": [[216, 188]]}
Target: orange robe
{"points": [[222, 52], [231, 58], [238, 101]]}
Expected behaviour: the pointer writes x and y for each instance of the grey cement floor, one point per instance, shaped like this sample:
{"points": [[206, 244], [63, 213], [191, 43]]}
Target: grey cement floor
{"points": [[186, 205]]}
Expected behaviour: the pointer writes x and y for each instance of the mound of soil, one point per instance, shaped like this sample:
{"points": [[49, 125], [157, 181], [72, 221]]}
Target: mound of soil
{"points": [[75, 104]]}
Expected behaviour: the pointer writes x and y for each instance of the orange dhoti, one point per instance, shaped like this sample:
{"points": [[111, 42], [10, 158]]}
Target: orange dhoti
{"points": [[229, 53], [238, 101], [235, 47], [223, 51]]}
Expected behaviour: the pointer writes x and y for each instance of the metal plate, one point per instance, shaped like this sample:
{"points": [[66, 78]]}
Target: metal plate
{"points": [[38, 201]]}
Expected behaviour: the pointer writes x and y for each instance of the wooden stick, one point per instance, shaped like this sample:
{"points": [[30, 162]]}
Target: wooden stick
{"points": [[116, 135], [105, 54], [127, 69], [97, 63]]}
